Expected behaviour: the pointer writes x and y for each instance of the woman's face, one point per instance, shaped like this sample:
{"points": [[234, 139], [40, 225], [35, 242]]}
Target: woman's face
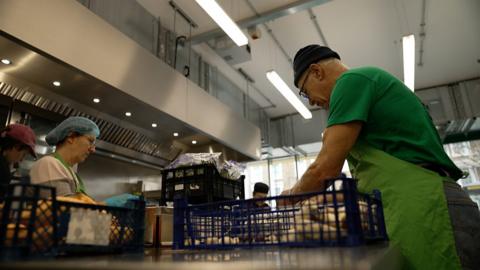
{"points": [[83, 146], [16, 154]]}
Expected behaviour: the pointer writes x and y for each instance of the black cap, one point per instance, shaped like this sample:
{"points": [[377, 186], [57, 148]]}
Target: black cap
{"points": [[308, 55], [261, 188]]}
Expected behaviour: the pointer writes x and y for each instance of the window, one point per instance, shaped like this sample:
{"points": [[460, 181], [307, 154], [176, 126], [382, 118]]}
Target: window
{"points": [[283, 174], [255, 172], [303, 163], [276, 171], [285, 171]]}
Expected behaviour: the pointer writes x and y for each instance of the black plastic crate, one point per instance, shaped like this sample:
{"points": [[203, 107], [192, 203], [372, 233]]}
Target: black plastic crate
{"points": [[22, 214], [199, 184], [33, 223], [339, 216]]}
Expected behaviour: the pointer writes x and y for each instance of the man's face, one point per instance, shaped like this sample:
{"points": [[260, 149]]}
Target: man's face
{"points": [[316, 86], [259, 195]]}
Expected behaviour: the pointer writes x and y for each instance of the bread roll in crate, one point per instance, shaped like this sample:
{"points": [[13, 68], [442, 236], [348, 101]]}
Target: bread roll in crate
{"points": [[338, 216]]}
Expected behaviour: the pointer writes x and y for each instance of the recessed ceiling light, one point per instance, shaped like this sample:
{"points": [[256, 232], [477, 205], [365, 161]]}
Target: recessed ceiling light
{"points": [[175, 134], [6, 61], [194, 142], [56, 83], [154, 125], [128, 114], [96, 100]]}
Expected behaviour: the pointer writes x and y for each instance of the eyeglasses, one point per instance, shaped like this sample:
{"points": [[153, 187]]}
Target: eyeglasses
{"points": [[302, 91], [91, 141]]}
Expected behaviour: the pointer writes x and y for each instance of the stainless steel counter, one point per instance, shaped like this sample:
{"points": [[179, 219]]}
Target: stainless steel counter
{"points": [[380, 256]]}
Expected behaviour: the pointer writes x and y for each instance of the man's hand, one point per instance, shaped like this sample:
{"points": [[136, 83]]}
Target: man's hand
{"points": [[337, 142], [281, 202]]}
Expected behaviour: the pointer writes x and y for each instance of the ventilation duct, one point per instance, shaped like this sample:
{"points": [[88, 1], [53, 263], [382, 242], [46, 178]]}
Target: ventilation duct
{"points": [[110, 133]]}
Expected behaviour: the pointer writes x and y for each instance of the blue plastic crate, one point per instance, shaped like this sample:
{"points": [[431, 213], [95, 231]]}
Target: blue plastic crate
{"points": [[33, 224], [339, 216]]}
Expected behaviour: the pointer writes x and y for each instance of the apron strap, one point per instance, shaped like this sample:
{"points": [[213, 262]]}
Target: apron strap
{"points": [[80, 187]]}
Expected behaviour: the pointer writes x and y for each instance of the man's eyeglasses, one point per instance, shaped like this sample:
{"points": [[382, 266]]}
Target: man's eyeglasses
{"points": [[302, 91]]}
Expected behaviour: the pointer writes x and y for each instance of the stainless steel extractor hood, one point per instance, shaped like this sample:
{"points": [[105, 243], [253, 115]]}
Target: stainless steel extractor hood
{"points": [[62, 40]]}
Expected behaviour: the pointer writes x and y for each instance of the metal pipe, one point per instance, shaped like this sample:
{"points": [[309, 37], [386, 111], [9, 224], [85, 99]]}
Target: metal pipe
{"points": [[313, 17], [270, 15], [177, 41], [250, 80], [270, 32], [182, 13], [422, 33], [447, 84]]}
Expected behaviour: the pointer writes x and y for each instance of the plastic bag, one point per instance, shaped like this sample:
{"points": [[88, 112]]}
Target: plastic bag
{"points": [[190, 159], [232, 169], [121, 200]]}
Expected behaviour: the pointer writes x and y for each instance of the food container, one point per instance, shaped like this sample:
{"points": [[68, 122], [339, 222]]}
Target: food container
{"points": [[159, 226]]}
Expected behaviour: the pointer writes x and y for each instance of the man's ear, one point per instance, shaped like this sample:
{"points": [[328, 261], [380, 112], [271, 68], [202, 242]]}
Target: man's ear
{"points": [[318, 71]]}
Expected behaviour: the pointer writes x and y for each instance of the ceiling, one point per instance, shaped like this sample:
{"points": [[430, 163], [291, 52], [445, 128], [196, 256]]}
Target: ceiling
{"points": [[364, 33]]}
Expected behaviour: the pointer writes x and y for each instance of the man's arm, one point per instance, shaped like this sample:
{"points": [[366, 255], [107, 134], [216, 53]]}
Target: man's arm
{"points": [[337, 142]]}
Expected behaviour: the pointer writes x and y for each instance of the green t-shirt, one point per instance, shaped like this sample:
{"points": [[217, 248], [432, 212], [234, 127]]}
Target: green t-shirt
{"points": [[395, 121]]}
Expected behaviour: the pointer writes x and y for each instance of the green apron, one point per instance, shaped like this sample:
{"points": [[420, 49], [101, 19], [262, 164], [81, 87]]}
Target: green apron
{"points": [[416, 213], [79, 187]]}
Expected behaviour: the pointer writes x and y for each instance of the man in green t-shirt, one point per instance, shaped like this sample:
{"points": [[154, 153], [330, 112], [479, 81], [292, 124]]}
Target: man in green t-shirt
{"points": [[380, 126]]}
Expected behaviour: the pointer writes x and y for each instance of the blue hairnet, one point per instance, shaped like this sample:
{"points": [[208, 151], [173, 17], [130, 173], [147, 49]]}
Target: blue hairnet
{"points": [[77, 124]]}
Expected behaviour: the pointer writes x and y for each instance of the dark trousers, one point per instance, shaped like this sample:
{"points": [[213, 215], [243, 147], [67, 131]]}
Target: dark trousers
{"points": [[465, 218]]}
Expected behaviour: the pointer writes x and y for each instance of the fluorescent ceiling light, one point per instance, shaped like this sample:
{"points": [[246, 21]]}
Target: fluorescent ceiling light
{"points": [[409, 61], [128, 114], [96, 100], [175, 134], [287, 93], [56, 83], [194, 142], [154, 125], [215, 11], [6, 61]]}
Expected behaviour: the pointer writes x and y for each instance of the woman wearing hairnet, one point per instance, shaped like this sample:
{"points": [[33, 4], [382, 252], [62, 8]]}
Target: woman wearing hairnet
{"points": [[74, 139]]}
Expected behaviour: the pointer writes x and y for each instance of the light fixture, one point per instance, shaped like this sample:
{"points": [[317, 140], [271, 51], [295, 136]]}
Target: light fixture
{"points": [[408, 43], [154, 125], [216, 12], [56, 83], [6, 61], [287, 93], [96, 100], [175, 134], [194, 142], [128, 114]]}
